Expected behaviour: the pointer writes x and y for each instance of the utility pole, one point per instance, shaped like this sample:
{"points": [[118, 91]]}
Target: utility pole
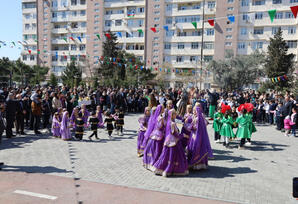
{"points": [[202, 46]]}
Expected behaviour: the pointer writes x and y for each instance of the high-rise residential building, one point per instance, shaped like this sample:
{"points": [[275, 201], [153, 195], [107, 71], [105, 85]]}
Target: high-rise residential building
{"points": [[162, 33]]}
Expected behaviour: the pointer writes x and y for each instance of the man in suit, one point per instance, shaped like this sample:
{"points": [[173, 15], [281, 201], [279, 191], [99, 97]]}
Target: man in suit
{"points": [[20, 115], [11, 109]]}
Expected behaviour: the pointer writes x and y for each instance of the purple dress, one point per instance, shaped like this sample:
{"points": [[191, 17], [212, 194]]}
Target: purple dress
{"points": [[155, 145], [101, 122], [64, 130], [56, 127], [143, 127], [85, 117], [186, 129], [73, 119], [199, 148], [172, 160]]}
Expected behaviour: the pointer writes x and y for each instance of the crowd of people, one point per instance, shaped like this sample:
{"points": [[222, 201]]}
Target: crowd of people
{"points": [[67, 112]]}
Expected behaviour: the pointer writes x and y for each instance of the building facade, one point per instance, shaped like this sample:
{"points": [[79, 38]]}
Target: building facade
{"points": [[159, 32]]}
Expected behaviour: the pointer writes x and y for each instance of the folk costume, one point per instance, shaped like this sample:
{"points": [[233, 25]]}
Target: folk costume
{"points": [[79, 131], [143, 121], [65, 127]]}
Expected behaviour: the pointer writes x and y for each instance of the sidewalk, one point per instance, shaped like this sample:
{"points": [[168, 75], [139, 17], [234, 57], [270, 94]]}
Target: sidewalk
{"points": [[17, 187]]}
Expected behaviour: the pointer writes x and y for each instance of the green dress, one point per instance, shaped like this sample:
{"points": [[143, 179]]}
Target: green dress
{"points": [[226, 129], [211, 111], [217, 121], [243, 127], [251, 126]]}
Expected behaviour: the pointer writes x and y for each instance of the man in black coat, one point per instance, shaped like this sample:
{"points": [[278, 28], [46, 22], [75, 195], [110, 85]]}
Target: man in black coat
{"points": [[46, 111], [11, 109], [20, 115], [2, 126]]}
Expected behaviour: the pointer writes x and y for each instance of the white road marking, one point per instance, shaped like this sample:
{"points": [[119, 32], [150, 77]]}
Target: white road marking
{"points": [[35, 194]]}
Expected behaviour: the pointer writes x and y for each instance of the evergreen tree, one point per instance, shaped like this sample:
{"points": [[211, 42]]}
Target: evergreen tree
{"points": [[53, 80], [39, 74], [6, 67], [22, 73], [279, 63], [72, 76], [107, 69]]}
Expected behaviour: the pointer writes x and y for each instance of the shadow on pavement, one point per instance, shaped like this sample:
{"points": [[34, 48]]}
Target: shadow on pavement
{"points": [[34, 169], [225, 155], [265, 146]]}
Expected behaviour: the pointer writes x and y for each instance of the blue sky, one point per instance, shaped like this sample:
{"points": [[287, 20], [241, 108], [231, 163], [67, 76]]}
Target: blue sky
{"points": [[11, 27]]}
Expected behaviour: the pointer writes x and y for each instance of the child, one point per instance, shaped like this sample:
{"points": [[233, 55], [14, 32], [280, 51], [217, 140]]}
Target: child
{"points": [[217, 124], [56, 125], [85, 115], [109, 120], [243, 127], [143, 121], [120, 121], [79, 127], [74, 117], [287, 126], [99, 116], [187, 126], [93, 120], [65, 127], [226, 129], [294, 121]]}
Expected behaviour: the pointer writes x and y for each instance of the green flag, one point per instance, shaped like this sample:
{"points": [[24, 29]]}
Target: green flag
{"points": [[195, 24], [272, 14], [65, 39], [140, 30], [98, 36]]}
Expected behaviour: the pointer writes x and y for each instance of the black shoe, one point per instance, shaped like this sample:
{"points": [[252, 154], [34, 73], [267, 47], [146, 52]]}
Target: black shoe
{"points": [[37, 133], [1, 163], [18, 132], [224, 144], [22, 133]]}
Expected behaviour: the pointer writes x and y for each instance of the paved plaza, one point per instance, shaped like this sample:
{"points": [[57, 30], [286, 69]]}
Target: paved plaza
{"points": [[262, 173]]}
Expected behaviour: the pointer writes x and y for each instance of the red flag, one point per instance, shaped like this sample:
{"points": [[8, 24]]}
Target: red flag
{"points": [[136, 67], [108, 35], [294, 10], [72, 38], [65, 57], [155, 68], [29, 52], [153, 29], [211, 22]]}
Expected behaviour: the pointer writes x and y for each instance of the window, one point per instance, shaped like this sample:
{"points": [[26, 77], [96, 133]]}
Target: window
{"points": [[279, 15], [73, 47], [83, 24], [27, 26], [24, 57], [170, 33], [179, 59], [257, 45], [156, 19], [291, 30], [274, 30], [230, 1], [155, 38], [241, 45], [276, 1], [293, 1], [245, 17], [155, 44], [292, 43], [230, 8], [181, 34], [258, 2], [228, 43], [211, 4], [228, 36], [32, 57], [208, 45], [83, 2], [82, 47], [129, 35], [167, 46], [243, 31], [194, 45], [74, 2], [258, 31], [27, 16], [192, 59], [196, 6], [108, 23], [29, 5], [82, 12], [169, 21], [229, 29], [208, 58], [96, 10], [156, 6], [196, 33], [210, 31], [259, 15], [141, 10], [156, 12], [180, 46], [289, 14], [118, 22], [245, 3], [169, 7]]}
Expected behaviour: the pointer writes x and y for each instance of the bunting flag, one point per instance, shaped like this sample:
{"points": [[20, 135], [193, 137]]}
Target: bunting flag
{"points": [[153, 29], [80, 39], [98, 36], [65, 39], [211, 22], [14, 44], [72, 38], [166, 27], [20, 42], [131, 14], [195, 25], [36, 41], [272, 14], [44, 51], [140, 30], [25, 42], [29, 51], [231, 18], [119, 34], [294, 10], [108, 35], [38, 51]]}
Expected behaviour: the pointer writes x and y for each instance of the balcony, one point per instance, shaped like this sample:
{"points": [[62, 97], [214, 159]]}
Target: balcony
{"points": [[131, 40], [59, 30], [121, 3], [136, 52]]}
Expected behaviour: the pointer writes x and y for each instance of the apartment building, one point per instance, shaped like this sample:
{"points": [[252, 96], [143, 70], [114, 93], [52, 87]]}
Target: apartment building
{"points": [[159, 32]]}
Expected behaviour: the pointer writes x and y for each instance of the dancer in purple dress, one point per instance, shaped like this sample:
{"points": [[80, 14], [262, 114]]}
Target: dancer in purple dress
{"points": [[149, 130], [99, 117], [199, 148], [73, 117], [143, 127], [56, 125], [155, 142], [187, 126], [65, 130], [172, 160], [85, 114]]}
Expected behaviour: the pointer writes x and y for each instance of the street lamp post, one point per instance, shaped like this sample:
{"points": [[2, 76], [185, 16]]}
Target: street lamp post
{"points": [[202, 45]]}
